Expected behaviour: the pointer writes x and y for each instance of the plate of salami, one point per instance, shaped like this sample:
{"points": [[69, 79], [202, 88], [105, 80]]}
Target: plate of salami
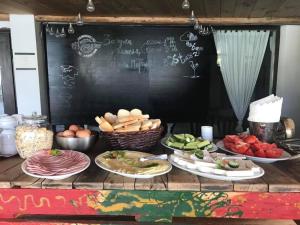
{"points": [[252, 148], [55, 164]]}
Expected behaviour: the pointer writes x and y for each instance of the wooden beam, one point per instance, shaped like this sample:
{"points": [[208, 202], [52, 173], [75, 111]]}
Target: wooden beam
{"points": [[174, 20], [4, 17]]}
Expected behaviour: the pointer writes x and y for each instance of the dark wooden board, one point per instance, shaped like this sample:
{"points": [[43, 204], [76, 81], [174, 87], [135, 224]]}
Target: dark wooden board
{"points": [[215, 185], [182, 180], [278, 180]]}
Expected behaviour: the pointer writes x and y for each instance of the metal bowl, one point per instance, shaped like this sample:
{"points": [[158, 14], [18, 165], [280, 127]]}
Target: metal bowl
{"points": [[75, 143]]}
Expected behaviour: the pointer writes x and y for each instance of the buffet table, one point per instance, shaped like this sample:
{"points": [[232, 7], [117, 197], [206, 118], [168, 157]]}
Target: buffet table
{"points": [[94, 193]]}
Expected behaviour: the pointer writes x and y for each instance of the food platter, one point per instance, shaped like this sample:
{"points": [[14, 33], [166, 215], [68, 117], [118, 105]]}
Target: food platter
{"points": [[216, 176], [163, 142], [284, 156], [118, 165], [61, 176]]}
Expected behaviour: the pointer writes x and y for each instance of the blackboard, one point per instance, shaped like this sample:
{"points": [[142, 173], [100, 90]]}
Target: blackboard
{"points": [[163, 70]]}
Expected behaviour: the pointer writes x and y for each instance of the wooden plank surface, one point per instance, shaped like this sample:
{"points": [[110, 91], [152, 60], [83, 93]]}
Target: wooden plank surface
{"points": [[6, 163], [60, 184], [114, 181], [182, 180], [252, 185], [292, 168], [92, 178], [155, 183], [278, 180], [25, 181], [215, 185], [7, 176]]}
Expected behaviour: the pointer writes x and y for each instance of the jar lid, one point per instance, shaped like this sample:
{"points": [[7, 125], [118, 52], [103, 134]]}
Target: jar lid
{"points": [[35, 119], [8, 121]]}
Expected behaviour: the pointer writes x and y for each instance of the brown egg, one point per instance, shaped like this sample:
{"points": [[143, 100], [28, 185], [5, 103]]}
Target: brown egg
{"points": [[60, 134], [74, 128], [68, 133], [83, 133]]}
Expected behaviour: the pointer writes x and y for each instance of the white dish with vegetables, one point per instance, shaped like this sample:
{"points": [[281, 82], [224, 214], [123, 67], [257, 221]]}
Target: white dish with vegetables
{"points": [[217, 166], [187, 144]]}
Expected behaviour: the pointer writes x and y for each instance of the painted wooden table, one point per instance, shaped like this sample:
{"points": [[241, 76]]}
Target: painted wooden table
{"points": [[95, 193]]}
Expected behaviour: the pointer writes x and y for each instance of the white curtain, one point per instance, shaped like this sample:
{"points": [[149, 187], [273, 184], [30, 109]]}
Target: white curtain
{"points": [[240, 54]]}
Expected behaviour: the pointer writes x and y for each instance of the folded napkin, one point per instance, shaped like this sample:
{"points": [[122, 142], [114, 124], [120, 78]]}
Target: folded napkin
{"points": [[266, 110]]}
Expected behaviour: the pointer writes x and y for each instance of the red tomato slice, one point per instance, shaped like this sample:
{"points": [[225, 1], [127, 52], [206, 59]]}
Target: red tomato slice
{"points": [[260, 153], [251, 139], [274, 153], [249, 152]]}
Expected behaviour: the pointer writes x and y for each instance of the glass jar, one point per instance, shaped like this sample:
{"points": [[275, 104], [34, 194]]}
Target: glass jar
{"points": [[33, 135]]}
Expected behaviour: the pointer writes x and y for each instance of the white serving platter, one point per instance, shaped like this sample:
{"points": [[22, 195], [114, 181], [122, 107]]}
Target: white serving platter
{"points": [[142, 176], [215, 176], [284, 156]]}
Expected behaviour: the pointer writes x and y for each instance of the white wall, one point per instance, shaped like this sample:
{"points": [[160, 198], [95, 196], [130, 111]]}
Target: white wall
{"points": [[288, 77], [27, 87]]}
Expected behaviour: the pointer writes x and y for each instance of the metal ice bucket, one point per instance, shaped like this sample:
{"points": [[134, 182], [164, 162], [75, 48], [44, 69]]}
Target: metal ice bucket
{"points": [[266, 132]]}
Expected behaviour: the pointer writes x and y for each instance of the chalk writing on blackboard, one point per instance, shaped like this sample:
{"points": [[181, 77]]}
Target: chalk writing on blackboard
{"points": [[86, 45], [194, 67], [170, 44], [68, 74], [120, 42], [188, 36]]}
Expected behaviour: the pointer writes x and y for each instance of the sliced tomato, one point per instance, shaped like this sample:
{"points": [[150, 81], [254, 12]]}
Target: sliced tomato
{"points": [[274, 152], [251, 139], [232, 138], [242, 147], [260, 153], [249, 152]]}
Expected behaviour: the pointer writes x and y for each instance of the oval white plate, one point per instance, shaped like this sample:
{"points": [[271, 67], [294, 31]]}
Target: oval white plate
{"points": [[285, 155], [215, 176], [58, 177], [142, 176]]}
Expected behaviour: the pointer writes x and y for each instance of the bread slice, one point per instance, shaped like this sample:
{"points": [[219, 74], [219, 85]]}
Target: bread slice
{"points": [[131, 128], [106, 127], [130, 118], [155, 123], [119, 125], [111, 118], [123, 113], [98, 120], [136, 112], [146, 124]]}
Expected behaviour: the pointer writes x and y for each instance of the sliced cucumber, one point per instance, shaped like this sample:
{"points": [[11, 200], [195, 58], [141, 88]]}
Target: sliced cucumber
{"points": [[233, 164]]}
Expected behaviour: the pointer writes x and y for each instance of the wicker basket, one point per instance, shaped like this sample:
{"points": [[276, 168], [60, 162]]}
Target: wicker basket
{"points": [[139, 140]]}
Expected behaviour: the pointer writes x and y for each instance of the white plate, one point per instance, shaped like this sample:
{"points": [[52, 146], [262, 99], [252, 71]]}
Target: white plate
{"points": [[142, 176], [284, 156], [163, 142], [58, 177], [215, 176]]}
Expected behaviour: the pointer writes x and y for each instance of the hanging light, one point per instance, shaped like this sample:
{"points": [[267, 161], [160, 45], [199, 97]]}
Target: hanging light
{"points": [[47, 28], [79, 21], [90, 7], [57, 34], [185, 4], [63, 33], [192, 17], [196, 26], [51, 32], [71, 29]]}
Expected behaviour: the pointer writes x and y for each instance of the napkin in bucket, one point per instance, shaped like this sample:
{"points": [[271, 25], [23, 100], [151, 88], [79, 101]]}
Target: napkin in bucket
{"points": [[266, 110]]}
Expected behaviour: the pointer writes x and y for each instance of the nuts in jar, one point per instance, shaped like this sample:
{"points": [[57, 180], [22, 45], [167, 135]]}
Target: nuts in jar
{"points": [[30, 139]]}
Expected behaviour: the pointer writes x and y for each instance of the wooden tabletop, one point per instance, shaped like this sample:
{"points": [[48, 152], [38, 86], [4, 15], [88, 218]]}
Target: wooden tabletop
{"points": [[279, 177]]}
